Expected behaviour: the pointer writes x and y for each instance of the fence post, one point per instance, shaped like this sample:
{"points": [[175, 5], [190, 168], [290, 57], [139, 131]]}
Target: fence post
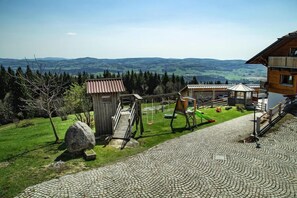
{"points": [[279, 108], [258, 125], [112, 123], [270, 116]]}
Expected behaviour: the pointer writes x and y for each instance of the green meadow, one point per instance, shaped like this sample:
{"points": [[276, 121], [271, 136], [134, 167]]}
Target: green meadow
{"points": [[28, 149]]}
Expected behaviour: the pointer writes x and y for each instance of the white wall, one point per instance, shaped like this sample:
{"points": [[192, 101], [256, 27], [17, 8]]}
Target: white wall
{"points": [[274, 99]]}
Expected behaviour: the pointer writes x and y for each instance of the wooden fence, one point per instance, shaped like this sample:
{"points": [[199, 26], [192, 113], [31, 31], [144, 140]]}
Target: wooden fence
{"points": [[212, 103], [272, 116]]}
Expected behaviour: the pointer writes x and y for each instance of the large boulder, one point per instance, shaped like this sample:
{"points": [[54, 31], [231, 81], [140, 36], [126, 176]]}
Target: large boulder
{"points": [[79, 137]]}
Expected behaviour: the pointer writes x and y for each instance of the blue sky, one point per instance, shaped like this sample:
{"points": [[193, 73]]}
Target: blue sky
{"points": [[222, 29]]}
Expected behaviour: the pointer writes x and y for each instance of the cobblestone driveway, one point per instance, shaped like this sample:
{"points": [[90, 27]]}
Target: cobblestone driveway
{"points": [[206, 163]]}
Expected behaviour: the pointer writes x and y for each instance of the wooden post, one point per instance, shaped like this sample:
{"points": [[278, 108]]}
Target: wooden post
{"points": [[112, 124], [265, 107], [258, 125], [270, 116], [279, 109]]}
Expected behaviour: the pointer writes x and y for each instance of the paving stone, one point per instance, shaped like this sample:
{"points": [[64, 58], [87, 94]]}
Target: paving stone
{"points": [[207, 163]]}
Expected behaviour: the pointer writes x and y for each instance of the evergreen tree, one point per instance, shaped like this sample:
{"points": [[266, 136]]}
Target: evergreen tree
{"points": [[18, 91], [182, 81], [165, 79], [79, 79], [194, 80], [173, 78], [3, 82]]}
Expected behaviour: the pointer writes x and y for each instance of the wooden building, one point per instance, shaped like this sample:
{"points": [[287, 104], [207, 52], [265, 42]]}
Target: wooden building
{"points": [[105, 94], [210, 91], [280, 58]]}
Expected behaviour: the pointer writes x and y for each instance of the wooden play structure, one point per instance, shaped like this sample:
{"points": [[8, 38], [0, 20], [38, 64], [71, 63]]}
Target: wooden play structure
{"points": [[181, 107], [115, 114], [186, 106]]}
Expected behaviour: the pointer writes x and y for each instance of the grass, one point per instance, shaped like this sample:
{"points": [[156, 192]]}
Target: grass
{"points": [[27, 152]]}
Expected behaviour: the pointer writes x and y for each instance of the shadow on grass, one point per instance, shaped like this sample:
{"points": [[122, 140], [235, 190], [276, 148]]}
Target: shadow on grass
{"points": [[175, 130], [153, 135], [12, 157], [62, 146], [66, 156]]}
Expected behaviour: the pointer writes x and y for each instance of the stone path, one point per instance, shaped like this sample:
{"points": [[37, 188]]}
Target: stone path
{"points": [[206, 163]]}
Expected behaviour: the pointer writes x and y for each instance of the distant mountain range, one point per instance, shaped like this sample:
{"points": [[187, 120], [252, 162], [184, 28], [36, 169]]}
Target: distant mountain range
{"points": [[203, 69]]}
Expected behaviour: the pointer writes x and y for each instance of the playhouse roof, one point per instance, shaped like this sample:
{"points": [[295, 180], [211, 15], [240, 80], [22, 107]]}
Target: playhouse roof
{"points": [[105, 85], [240, 88]]}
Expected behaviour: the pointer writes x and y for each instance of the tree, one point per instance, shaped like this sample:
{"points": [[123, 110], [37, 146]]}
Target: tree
{"points": [[77, 101], [170, 87], [3, 82], [44, 95], [165, 79], [18, 92], [194, 80], [159, 90], [6, 110]]}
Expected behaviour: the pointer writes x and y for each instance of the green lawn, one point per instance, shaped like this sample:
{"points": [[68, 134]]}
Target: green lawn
{"points": [[29, 150]]}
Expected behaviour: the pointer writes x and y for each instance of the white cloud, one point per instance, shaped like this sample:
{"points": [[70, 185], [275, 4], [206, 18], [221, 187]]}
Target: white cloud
{"points": [[71, 33]]}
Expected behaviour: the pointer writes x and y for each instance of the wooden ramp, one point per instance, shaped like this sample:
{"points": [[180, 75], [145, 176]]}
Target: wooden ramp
{"points": [[122, 130]]}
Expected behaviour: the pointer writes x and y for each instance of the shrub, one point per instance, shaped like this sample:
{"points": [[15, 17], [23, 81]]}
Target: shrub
{"points": [[24, 123]]}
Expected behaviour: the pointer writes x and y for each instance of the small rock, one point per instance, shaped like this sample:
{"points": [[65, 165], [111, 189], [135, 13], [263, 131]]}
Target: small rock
{"points": [[58, 166]]}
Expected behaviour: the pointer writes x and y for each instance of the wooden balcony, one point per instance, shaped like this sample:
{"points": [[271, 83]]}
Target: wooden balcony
{"points": [[282, 62]]}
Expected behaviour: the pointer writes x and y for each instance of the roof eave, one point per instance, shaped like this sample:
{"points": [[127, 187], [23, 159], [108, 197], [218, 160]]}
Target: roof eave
{"points": [[260, 57]]}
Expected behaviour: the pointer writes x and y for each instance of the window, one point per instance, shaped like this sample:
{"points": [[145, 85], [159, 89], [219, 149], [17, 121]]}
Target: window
{"points": [[106, 98], [287, 80], [293, 52]]}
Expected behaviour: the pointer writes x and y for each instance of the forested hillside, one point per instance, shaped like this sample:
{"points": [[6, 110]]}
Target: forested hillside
{"points": [[16, 91], [203, 69]]}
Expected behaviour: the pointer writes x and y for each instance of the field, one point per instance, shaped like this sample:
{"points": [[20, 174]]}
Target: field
{"points": [[27, 149]]}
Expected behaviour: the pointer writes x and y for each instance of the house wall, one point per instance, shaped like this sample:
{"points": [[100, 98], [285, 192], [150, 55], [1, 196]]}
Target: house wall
{"points": [[104, 109], [274, 99], [274, 82]]}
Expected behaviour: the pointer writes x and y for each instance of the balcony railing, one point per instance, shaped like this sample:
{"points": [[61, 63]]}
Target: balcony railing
{"points": [[283, 62]]}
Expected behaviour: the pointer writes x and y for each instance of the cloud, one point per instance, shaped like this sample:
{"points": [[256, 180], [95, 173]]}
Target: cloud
{"points": [[71, 33]]}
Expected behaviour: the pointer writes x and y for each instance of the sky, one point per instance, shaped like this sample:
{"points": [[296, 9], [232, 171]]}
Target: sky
{"points": [[221, 29]]}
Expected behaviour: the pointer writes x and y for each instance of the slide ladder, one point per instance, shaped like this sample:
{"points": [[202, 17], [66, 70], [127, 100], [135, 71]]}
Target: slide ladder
{"points": [[125, 118], [123, 128]]}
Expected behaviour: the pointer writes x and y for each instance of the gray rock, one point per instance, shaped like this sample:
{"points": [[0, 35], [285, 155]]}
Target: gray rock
{"points": [[79, 137]]}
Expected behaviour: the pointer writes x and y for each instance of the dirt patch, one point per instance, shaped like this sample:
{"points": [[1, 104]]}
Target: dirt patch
{"points": [[4, 164], [250, 139]]}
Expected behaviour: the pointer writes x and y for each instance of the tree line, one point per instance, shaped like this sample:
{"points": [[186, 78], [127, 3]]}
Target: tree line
{"points": [[20, 89]]}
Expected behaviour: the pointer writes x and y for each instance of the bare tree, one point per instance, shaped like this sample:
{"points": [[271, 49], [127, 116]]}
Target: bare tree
{"points": [[43, 94]]}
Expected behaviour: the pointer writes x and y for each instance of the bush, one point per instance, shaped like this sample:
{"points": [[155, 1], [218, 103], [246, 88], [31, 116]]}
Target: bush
{"points": [[24, 123]]}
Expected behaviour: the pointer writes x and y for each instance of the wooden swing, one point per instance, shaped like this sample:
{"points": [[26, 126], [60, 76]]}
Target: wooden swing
{"points": [[152, 120]]}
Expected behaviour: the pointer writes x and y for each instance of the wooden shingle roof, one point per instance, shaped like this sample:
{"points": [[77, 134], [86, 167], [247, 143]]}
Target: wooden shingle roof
{"points": [[105, 85]]}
